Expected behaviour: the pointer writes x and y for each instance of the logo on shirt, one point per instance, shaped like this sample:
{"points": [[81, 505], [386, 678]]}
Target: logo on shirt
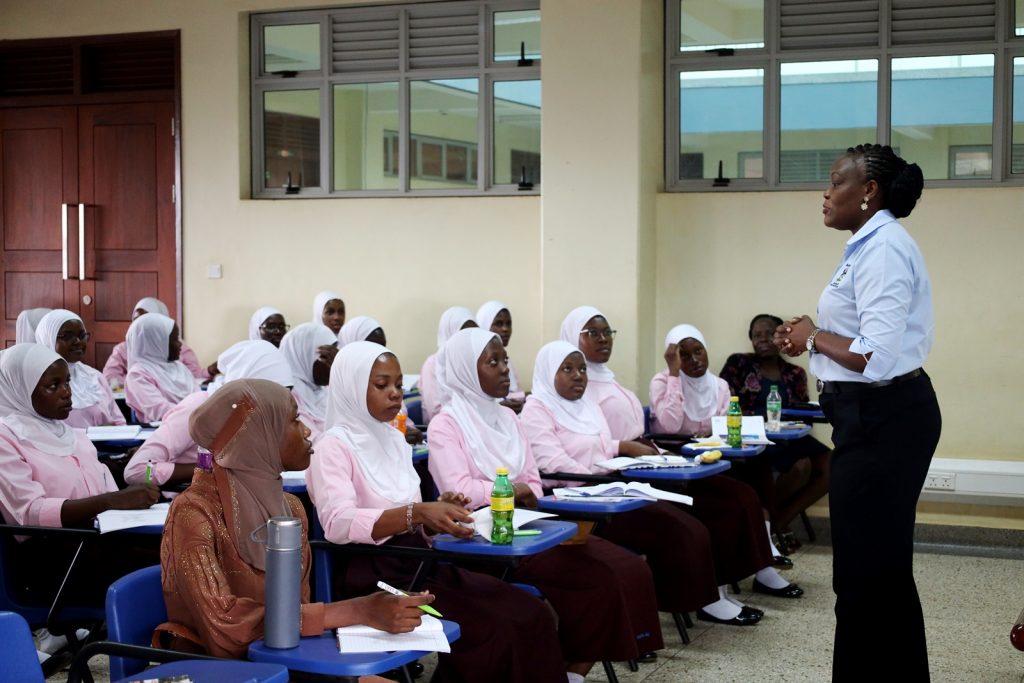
{"points": [[841, 275]]}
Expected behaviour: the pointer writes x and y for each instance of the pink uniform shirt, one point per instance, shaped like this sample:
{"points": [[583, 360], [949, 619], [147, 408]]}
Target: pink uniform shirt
{"points": [[116, 367], [667, 414], [621, 409], [558, 449], [169, 445]]}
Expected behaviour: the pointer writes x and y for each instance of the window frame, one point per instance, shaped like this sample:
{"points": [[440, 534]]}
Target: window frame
{"points": [[1005, 46], [486, 71]]}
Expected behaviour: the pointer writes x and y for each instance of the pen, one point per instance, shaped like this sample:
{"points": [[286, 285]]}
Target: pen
{"points": [[149, 472], [394, 591], [526, 532]]}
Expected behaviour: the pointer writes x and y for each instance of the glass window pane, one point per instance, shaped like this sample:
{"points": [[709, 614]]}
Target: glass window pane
{"points": [[291, 48], [291, 138], [712, 24], [516, 34], [940, 106], [1019, 19], [516, 132], [443, 114], [812, 136], [366, 136], [1017, 155], [721, 116]]}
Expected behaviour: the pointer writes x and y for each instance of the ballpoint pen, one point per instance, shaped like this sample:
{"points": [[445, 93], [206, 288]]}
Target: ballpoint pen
{"points": [[394, 591]]}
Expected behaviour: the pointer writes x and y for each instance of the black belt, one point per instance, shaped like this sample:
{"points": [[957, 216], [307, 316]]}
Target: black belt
{"points": [[850, 387]]}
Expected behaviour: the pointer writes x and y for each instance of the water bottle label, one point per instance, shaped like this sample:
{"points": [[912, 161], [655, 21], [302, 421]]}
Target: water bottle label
{"points": [[502, 504]]}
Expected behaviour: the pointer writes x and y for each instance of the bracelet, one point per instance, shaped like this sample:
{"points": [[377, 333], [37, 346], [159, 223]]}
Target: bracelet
{"points": [[409, 528]]}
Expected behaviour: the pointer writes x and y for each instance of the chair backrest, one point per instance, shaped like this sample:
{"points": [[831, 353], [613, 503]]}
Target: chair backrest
{"points": [[35, 614], [414, 406], [647, 419], [19, 661], [135, 606]]}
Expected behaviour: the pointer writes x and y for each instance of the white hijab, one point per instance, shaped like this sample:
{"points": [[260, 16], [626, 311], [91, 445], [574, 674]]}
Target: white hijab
{"points": [[21, 366], [384, 457], [88, 386], [700, 394], [491, 430], [572, 327], [319, 301], [25, 326], [252, 359], [300, 348], [582, 416], [148, 342], [452, 321], [356, 329], [485, 316], [257, 319], [151, 305]]}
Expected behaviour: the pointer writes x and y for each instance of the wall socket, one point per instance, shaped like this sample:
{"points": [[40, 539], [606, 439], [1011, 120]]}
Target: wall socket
{"points": [[940, 481]]}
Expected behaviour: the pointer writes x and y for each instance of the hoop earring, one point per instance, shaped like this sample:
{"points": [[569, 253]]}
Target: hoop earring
{"points": [[864, 204]]}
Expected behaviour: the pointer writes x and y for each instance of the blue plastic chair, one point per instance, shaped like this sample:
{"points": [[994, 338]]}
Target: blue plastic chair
{"points": [[415, 408], [19, 662], [647, 419]]}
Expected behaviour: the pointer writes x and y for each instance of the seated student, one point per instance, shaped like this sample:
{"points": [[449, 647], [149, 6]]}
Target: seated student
{"points": [[685, 397], [802, 466], [25, 325], [568, 433], [329, 310], [495, 316], [469, 440], [157, 380], [93, 402], [432, 390], [310, 349], [587, 329], [116, 367], [365, 490], [169, 455], [268, 324], [212, 570], [50, 476]]}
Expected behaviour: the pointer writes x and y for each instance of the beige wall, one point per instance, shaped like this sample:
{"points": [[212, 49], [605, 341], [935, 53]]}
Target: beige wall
{"points": [[601, 233]]}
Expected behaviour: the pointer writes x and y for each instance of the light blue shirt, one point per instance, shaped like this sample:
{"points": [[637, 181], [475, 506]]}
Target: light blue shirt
{"points": [[881, 296]]}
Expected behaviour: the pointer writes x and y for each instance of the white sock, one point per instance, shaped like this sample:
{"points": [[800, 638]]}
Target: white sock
{"points": [[768, 527], [770, 578], [42, 656], [574, 678], [47, 642], [723, 608], [733, 600]]}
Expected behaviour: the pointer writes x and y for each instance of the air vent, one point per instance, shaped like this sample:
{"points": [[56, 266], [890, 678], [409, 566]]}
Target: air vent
{"points": [[916, 22], [818, 24], [133, 66], [364, 41], [37, 71], [444, 38]]}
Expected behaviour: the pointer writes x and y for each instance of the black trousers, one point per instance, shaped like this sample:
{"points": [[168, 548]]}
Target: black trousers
{"points": [[884, 441]]}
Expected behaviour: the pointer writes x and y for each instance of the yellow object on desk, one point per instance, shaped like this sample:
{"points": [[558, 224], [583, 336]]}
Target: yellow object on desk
{"points": [[709, 457]]}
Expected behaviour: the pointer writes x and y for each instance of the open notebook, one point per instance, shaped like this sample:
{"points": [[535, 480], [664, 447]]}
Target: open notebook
{"points": [[428, 636]]}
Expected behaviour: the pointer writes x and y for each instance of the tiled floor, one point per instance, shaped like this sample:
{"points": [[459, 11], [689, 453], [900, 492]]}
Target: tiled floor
{"points": [[969, 605]]}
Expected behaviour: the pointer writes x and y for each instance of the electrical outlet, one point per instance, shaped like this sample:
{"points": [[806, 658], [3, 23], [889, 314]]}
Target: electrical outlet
{"points": [[940, 481]]}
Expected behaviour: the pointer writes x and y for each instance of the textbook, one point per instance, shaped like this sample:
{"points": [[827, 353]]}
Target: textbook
{"points": [[623, 462], [618, 490], [428, 636]]}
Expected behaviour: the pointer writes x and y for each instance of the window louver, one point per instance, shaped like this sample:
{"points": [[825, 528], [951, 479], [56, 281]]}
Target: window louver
{"points": [[365, 41], [817, 24], [931, 21], [444, 39]]}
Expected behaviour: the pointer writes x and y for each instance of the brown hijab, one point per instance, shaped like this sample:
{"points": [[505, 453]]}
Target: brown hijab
{"points": [[243, 425]]}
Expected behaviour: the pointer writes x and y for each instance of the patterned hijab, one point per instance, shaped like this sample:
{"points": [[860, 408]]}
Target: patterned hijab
{"points": [[244, 426], [21, 366], [572, 327], [88, 386]]}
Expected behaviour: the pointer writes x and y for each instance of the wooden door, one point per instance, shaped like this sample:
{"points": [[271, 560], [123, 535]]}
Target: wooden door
{"points": [[38, 183], [126, 182]]}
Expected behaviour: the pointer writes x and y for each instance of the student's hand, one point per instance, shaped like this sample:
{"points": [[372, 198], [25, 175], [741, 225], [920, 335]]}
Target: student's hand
{"points": [[391, 613], [443, 518], [455, 498], [327, 352], [213, 370], [525, 497], [635, 449], [135, 497], [412, 435], [515, 404], [672, 360]]}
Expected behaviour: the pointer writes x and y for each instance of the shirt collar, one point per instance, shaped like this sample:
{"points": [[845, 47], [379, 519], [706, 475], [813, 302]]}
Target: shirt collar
{"points": [[881, 217]]}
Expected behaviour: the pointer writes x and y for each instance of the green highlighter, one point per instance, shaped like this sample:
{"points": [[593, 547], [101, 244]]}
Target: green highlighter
{"points": [[527, 532], [394, 591]]}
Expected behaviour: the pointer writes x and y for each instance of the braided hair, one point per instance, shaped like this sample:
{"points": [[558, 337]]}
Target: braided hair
{"points": [[899, 183], [762, 316]]}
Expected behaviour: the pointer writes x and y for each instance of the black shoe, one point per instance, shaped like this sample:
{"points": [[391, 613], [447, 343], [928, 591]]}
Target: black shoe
{"points": [[747, 618], [789, 591], [783, 562], [648, 658], [747, 609]]}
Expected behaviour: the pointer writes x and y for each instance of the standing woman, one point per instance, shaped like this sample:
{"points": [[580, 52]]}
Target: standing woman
{"points": [[92, 400], [495, 316], [876, 329]]}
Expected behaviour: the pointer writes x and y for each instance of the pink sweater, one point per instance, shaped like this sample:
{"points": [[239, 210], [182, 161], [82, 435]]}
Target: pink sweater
{"points": [[558, 449], [168, 446], [667, 416]]}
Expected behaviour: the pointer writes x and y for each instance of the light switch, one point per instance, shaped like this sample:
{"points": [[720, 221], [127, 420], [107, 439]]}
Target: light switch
{"points": [[214, 271]]}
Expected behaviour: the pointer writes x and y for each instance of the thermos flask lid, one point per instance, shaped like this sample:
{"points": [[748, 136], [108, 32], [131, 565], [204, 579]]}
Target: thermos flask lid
{"points": [[284, 533]]}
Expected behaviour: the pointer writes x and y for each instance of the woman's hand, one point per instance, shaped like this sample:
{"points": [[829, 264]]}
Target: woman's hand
{"points": [[459, 499], [412, 435], [635, 449], [443, 518], [135, 497], [391, 613], [514, 403], [791, 336], [524, 495], [672, 360]]}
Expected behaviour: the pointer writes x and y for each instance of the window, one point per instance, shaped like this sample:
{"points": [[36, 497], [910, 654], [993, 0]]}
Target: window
{"points": [[416, 99], [764, 95]]}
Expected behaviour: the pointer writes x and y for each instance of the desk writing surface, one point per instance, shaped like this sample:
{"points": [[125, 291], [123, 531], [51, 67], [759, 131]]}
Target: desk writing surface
{"points": [[319, 655], [744, 452], [588, 506], [790, 434], [553, 533], [676, 473]]}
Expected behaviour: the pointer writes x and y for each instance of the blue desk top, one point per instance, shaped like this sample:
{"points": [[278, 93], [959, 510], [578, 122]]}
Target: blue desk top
{"points": [[802, 412], [295, 486], [319, 655], [676, 473], [224, 671], [553, 533], [744, 452], [790, 434], [420, 452], [582, 505]]}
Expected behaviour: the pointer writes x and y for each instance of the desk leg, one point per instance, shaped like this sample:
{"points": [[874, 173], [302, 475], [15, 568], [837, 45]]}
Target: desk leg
{"points": [[51, 618]]}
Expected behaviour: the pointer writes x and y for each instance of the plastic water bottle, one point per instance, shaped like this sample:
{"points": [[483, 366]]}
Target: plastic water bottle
{"points": [[283, 582], [773, 418], [734, 423], [502, 508]]}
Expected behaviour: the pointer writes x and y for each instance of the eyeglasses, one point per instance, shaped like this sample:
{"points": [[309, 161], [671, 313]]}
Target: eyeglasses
{"points": [[71, 337], [275, 327], [599, 334]]}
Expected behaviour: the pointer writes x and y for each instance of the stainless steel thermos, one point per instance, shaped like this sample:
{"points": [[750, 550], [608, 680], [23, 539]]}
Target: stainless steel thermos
{"points": [[283, 582]]}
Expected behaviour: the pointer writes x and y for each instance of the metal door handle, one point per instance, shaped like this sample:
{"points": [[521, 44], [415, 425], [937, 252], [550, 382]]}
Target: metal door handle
{"points": [[64, 240], [81, 241]]}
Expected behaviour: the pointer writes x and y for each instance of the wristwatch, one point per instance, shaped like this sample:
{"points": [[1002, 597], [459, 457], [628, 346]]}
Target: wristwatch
{"points": [[810, 340]]}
